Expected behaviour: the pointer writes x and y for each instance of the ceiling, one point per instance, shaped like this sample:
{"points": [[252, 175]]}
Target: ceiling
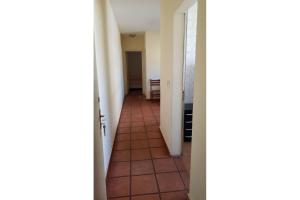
{"points": [[134, 16]]}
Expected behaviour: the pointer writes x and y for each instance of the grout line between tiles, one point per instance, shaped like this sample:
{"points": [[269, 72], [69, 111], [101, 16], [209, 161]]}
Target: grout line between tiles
{"points": [[154, 168], [133, 106]]}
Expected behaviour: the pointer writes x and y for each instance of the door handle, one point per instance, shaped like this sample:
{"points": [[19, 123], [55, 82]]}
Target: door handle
{"points": [[104, 128], [100, 116], [101, 119]]}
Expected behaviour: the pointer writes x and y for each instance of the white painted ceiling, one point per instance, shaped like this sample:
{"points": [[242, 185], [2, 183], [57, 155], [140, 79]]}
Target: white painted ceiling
{"points": [[134, 16]]}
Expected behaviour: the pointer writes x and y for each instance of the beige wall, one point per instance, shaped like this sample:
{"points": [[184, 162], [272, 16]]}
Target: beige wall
{"points": [[198, 161], [136, 43], [133, 43], [167, 10], [152, 46], [108, 59]]}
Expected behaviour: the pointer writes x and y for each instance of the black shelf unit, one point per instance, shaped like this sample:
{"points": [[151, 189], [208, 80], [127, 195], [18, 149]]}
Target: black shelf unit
{"points": [[187, 122]]}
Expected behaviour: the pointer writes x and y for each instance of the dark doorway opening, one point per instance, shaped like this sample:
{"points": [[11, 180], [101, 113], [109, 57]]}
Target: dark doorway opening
{"points": [[134, 67]]}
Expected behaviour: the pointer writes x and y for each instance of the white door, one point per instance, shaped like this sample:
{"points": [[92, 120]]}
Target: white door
{"points": [[99, 168], [102, 75], [103, 91]]}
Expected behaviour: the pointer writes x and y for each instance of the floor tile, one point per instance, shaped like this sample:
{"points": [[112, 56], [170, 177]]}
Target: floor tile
{"points": [[117, 187], [125, 115], [186, 155], [152, 128], [138, 129], [124, 129], [179, 164], [150, 123], [123, 145], [146, 197], [138, 120], [174, 196], [121, 198], [137, 114], [149, 118], [142, 167], [144, 184], [154, 135], [169, 182], [156, 142], [123, 155], [117, 169], [140, 154], [139, 144], [125, 120], [123, 137], [164, 165], [159, 153], [138, 136], [137, 124], [124, 125], [148, 112], [185, 178]]}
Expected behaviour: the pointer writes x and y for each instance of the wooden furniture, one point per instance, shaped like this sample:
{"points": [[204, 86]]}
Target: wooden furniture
{"points": [[154, 89]]}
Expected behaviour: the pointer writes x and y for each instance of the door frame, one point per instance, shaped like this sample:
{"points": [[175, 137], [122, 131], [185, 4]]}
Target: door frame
{"points": [[183, 77], [125, 68], [177, 76]]}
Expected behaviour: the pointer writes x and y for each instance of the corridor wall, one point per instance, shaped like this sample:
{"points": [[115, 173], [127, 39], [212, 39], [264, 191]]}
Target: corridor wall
{"points": [[109, 66]]}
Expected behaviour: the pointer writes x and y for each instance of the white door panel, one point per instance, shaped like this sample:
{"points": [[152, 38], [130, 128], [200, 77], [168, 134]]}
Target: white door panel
{"points": [[99, 167]]}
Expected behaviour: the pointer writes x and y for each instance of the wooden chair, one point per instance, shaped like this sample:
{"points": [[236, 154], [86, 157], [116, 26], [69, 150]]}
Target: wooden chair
{"points": [[154, 89]]}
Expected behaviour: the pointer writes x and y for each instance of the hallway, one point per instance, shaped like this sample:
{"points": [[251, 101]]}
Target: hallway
{"points": [[141, 167]]}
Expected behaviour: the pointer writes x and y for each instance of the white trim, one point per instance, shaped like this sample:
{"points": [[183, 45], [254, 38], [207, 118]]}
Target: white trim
{"points": [[177, 70]]}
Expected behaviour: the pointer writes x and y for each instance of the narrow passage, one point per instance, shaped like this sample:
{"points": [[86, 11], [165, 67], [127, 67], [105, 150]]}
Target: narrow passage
{"points": [[141, 167]]}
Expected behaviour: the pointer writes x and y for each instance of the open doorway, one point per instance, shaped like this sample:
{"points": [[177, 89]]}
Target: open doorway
{"points": [[134, 70], [188, 83]]}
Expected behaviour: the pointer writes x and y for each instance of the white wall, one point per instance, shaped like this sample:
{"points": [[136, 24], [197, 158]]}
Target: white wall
{"points": [[167, 11], [136, 43], [115, 67], [152, 46], [108, 55], [190, 54]]}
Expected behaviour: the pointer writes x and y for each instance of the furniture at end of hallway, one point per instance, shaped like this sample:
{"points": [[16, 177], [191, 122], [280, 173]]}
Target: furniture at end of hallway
{"points": [[154, 89]]}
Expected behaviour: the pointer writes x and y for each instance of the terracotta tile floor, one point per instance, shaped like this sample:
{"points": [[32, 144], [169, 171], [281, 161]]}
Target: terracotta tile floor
{"points": [[141, 167], [186, 155]]}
